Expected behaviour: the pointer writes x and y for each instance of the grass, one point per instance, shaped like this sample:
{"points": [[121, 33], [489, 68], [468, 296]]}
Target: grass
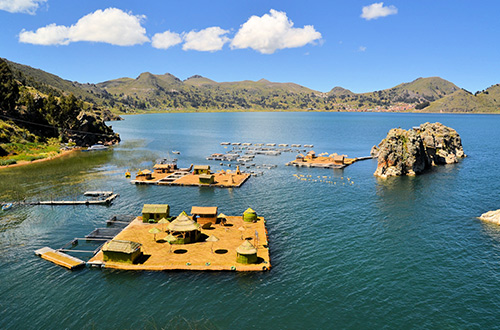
{"points": [[28, 151]]}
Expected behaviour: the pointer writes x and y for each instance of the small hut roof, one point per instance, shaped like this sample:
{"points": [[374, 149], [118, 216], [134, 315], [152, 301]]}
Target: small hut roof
{"points": [[155, 208], [222, 215], [183, 223], [117, 245], [154, 230], [146, 171], [249, 210], [167, 166], [205, 210], [246, 248], [163, 220], [300, 156], [201, 167], [212, 238]]}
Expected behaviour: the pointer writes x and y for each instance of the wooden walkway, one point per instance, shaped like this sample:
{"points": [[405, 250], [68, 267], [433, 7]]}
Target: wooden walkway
{"points": [[102, 201], [60, 258]]}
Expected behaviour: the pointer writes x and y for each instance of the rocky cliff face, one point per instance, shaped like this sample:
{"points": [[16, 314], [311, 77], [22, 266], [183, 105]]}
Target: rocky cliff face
{"points": [[97, 131], [410, 152]]}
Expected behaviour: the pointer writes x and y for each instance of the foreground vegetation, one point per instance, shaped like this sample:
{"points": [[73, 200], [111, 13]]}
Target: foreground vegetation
{"points": [[33, 124]]}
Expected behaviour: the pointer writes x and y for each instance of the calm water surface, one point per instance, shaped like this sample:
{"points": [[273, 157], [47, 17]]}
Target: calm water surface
{"points": [[397, 253]]}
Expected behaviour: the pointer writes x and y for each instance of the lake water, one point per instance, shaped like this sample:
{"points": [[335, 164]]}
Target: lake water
{"points": [[361, 253]]}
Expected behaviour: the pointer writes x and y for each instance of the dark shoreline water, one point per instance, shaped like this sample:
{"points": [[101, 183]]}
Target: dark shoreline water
{"points": [[397, 253]]}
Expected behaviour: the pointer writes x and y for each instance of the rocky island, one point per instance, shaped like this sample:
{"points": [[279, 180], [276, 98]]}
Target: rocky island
{"points": [[410, 152]]}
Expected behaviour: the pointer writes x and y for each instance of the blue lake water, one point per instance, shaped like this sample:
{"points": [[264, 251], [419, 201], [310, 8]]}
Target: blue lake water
{"points": [[362, 253]]}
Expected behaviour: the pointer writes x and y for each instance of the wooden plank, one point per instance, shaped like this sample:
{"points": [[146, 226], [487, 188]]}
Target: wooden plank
{"points": [[60, 258]]}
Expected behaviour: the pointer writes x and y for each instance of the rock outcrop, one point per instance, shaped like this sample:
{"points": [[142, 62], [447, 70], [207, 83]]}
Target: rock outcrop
{"points": [[491, 216], [410, 152], [97, 131]]}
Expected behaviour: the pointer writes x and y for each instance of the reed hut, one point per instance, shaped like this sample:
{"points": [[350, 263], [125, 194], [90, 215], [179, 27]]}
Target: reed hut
{"points": [[185, 229], [165, 168], [154, 212], [121, 251], [250, 215], [339, 159], [206, 179], [204, 215], [201, 169], [246, 253]]}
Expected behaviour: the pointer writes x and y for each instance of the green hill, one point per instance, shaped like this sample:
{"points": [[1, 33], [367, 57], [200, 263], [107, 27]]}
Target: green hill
{"points": [[165, 92], [463, 101]]}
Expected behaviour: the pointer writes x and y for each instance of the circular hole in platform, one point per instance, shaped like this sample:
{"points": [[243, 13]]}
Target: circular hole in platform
{"points": [[180, 251], [249, 238], [221, 251], [228, 225]]}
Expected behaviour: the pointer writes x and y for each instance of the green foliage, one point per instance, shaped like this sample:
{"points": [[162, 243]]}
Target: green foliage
{"points": [[4, 162]]}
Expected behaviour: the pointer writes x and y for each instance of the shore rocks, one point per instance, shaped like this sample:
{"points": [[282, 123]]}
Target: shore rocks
{"points": [[410, 152], [491, 216], [98, 131]]}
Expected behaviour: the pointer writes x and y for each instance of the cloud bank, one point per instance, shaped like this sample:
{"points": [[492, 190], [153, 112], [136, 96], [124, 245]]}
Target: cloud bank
{"points": [[265, 34], [271, 32], [166, 40], [21, 6], [111, 25], [377, 10], [207, 40]]}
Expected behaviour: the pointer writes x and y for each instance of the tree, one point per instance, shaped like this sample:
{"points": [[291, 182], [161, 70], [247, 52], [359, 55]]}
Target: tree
{"points": [[9, 91]]}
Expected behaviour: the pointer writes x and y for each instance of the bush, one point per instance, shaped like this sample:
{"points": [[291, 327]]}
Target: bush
{"points": [[4, 162]]}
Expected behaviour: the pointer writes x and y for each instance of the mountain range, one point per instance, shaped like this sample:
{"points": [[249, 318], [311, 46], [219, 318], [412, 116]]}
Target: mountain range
{"points": [[152, 92]]}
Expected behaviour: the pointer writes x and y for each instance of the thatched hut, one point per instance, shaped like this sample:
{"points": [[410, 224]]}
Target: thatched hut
{"points": [[250, 215], [201, 169], [206, 179], [154, 212], [246, 253], [185, 229], [121, 251], [165, 168], [204, 215]]}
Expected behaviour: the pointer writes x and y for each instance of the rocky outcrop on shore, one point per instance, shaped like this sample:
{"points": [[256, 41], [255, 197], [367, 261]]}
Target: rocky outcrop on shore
{"points": [[97, 131], [410, 152], [491, 216]]}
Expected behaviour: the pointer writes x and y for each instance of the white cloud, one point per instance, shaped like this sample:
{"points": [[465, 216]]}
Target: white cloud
{"points": [[362, 49], [377, 10], [21, 6], [207, 40], [271, 32], [166, 40], [111, 25], [49, 35]]}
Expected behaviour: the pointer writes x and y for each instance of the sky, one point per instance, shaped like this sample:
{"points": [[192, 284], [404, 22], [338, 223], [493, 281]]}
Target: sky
{"points": [[363, 46]]}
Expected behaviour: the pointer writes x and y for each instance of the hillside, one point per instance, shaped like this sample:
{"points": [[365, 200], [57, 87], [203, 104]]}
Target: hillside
{"points": [[463, 101], [165, 92], [34, 122]]}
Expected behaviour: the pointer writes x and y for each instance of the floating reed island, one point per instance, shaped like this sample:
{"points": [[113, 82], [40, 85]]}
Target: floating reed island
{"points": [[206, 240], [200, 175], [324, 160]]}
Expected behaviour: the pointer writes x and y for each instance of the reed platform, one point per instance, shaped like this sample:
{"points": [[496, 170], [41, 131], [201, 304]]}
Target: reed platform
{"points": [[159, 255], [60, 258], [221, 180]]}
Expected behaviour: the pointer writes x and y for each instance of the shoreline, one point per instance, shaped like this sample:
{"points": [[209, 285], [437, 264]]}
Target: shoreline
{"points": [[24, 163], [299, 110]]}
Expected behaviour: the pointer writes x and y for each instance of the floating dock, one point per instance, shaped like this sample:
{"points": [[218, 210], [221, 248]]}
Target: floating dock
{"points": [[60, 258], [100, 201], [332, 161], [220, 255], [221, 180]]}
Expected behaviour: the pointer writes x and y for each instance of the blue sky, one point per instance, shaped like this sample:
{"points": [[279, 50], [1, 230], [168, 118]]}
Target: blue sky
{"points": [[360, 45]]}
